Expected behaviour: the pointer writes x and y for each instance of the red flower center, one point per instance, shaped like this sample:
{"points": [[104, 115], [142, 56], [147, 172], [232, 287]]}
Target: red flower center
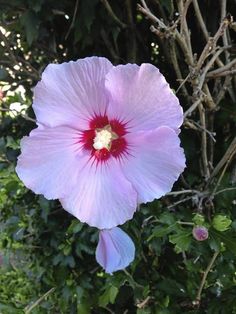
{"points": [[105, 138]]}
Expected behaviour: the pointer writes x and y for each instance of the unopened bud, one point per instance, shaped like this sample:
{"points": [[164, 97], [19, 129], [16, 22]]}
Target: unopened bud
{"points": [[200, 233]]}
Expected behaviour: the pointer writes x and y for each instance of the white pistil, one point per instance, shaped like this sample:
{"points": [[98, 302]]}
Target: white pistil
{"points": [[102, 139]]}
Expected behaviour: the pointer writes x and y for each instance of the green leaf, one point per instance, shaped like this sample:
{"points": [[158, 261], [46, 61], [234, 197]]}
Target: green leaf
{"points": [[181, 240], [143, 311], [167, 218], [83, 308], [113, 293], [214, 242], [229, 239], [171, 287], [57, 259], [70, 261], [75, 226], [7, 309], [161, 231], [11, 143], [31, 23], [108, 296], [104, 299]]}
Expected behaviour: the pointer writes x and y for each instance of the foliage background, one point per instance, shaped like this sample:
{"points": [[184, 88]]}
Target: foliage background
{"points": [[47, 262]]}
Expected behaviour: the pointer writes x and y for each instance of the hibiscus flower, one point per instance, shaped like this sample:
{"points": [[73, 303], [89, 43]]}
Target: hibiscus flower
{"points": [[107, 139]]}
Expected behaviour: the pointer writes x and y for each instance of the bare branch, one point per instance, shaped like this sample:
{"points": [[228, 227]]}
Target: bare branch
{"points": [[212, 41], [73, 19], [177, 67], [231, 149], [131, 35], [204, 141], [112, 14], [192, 108], [145, 10], [228, 66], [184, 30], [200, 19], [204, 277]]}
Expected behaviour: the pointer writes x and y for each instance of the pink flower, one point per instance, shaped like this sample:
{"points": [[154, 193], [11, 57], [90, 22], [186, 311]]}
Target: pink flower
{"points": [[200, 233], [107, 139], [115, 249]]}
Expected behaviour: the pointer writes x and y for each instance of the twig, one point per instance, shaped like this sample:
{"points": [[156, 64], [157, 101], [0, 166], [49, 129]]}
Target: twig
{"points": [[222, 69], [224, 190], [162, 12], [166, 31], [183, 8], [177, 67], [131, 35], [180, 202], [112, 14], [200, 19], [25, 116], [182, 83], [224, 159], [204, 142], [212, 41], [223, 171], [225, 73], [185, 223], [207, 67], [223, 90], [175, 193], [208, 97], [142, 304], [109, 310], [211, 118], [132, 279], [35, 72], [109, 45], [187, 54], [225, 39], [29, 309], [211, 134], [192, 108], [204, 277], [145, 10], [73, 19], [203, 26]]}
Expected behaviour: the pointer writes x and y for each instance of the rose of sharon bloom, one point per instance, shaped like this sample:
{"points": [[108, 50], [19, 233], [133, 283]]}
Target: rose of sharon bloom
{"points": [[107, 139], [115, 249], [200, 233]]}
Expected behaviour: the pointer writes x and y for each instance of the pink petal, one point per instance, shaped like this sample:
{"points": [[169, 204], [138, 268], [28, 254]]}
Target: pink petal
{"points": [[102, 197], [141, 96], [71, 93], [156, 160], [50, 161], [115, 250]]}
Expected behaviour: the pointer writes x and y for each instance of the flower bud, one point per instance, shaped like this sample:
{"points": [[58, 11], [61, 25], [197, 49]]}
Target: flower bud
{"points": [[221, 222], [200, 233], [198, 219]]}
